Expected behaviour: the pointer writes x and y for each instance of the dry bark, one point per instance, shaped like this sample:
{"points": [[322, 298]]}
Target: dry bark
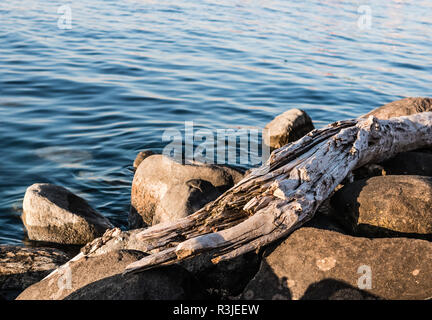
{"points": [[283, 194]]}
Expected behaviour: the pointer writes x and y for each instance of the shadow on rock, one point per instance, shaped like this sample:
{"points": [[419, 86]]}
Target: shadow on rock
{"points": [[332, 289], [164, 283], [270, 287]]}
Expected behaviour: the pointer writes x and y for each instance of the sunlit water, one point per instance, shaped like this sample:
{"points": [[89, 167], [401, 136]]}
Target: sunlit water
{"points": [[76, 105]]}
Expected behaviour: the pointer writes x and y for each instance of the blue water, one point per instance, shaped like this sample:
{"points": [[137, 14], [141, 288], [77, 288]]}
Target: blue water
{"points": [[76, 105]]}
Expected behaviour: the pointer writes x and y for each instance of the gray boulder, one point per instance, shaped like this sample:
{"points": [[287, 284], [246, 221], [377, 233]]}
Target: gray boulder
{"points": [[403, 107], [53, 214], [21, 267], [321, 264], [164, 190], [393, 205], [100, 277], [287, 127]]}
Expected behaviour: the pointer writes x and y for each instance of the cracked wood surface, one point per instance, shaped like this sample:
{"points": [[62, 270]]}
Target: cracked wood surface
{"points": [[283, 194]]}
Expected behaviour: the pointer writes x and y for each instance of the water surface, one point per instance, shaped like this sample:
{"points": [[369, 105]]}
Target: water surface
{"points": [[76, 105]]}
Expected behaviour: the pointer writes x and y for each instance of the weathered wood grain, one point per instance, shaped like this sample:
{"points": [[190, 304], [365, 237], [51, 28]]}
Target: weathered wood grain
{"points": [[283, 194]]}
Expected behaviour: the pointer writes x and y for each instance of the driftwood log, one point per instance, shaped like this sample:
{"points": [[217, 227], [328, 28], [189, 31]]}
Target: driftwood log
{"points": [[284, 193]]}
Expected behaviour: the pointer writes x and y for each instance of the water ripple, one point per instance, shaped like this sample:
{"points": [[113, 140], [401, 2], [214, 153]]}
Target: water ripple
{"points": [[77, 105]]}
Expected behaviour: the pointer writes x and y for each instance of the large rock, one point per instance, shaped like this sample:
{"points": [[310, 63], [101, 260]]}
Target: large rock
{"points": [[287, 127], [391, 205], [322, 264], [141, 156], [53, 214], [418, 162], [100, 277], [21, 267], [404, 107], [227, 278], [409, 163], [164, 190]]}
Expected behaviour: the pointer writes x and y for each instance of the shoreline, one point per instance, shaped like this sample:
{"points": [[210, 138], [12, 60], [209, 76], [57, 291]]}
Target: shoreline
{"points": [[164, 191]]}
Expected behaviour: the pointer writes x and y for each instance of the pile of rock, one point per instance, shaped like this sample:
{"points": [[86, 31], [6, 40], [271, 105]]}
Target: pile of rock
{"points": [[370, 241]]}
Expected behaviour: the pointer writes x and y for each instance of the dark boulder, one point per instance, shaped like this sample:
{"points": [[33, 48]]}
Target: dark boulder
{"points": [[321, 264], [21, 267], [409, 163], [393, 205]]}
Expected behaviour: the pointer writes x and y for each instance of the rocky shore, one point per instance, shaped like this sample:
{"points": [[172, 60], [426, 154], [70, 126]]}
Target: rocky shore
{"points": [[370, 240]]}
